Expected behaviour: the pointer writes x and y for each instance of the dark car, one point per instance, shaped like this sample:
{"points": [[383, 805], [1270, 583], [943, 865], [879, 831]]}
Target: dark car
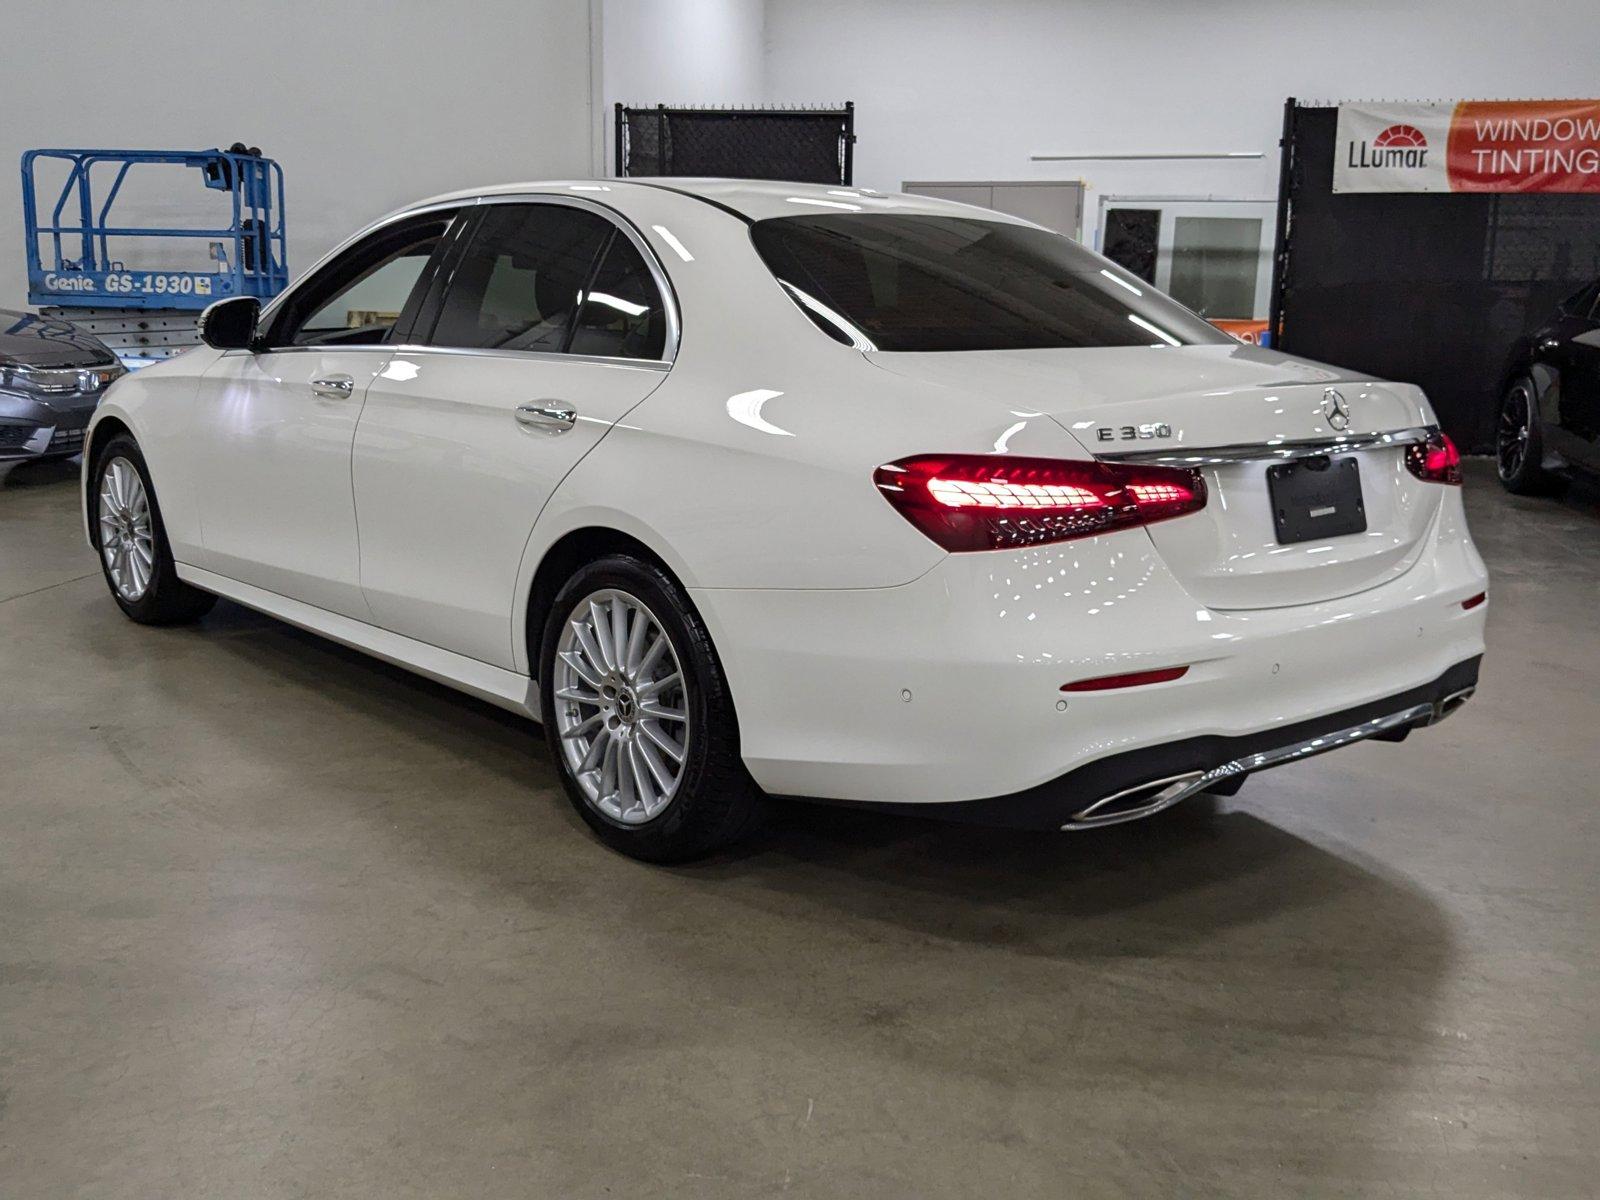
{"points": [[1550, 414], [52, 375]]}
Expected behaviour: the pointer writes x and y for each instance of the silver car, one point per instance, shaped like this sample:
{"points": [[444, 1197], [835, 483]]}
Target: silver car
{"points": [[52, 375]]}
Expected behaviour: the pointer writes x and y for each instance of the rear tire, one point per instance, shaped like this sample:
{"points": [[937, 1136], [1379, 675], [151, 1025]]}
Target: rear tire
{"points": [[643, 733], [1519, 442], [125, 523]]}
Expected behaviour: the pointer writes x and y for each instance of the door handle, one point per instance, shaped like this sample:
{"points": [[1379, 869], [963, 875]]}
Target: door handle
{"points": [[334, 387], [1550, 343], [550, 416]]}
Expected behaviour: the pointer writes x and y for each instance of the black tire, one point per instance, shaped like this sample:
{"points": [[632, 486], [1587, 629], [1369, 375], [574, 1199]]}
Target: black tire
{"points": [[166, 599], [715, 801], [1519, 441]]}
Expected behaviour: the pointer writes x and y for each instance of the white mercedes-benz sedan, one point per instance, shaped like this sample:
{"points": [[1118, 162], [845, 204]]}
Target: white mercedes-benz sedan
{"points": [[757, 489]]}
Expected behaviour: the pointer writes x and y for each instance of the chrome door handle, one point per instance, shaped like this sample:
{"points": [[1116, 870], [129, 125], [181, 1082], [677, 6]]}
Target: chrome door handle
{"points": [[551, 416], [334, 387]]}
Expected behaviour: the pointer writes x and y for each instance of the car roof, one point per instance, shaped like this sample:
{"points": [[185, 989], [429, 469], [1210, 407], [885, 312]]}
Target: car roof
{"points": [[752, 199]]}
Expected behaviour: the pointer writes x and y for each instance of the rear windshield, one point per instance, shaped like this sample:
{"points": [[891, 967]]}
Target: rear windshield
{"points": [[886, 282]]}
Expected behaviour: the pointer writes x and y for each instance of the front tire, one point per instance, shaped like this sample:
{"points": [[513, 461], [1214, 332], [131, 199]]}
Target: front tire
{"points": [[1519, 442], [125, 522], [638, 716]]}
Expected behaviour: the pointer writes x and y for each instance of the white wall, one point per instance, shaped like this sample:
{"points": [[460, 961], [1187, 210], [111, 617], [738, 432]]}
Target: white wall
{"points": [[679, 52], [372, 103], [963, 89], [367, 104], [683, 52]]}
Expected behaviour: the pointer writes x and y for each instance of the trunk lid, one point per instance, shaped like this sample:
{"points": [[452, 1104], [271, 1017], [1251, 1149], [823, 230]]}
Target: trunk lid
{"points": [[1231, 412]]}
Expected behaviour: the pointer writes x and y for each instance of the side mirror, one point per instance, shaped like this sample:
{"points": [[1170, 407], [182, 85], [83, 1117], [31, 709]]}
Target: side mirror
{"points": [[230, 324]]}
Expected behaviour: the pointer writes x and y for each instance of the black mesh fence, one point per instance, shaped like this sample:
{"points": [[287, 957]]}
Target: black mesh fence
{"points": [[1432, 289], [803, 145]]}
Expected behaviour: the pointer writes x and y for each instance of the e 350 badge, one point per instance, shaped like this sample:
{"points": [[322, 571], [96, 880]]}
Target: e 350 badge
{"points": [[1132, 433]]}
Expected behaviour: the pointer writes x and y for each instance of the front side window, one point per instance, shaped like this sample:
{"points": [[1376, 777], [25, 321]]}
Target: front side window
{"points": [[360, 297], [521, 278], [893, 282]]}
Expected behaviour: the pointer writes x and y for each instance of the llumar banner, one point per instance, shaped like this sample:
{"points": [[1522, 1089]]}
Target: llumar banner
{"points": [[1469, 146]]}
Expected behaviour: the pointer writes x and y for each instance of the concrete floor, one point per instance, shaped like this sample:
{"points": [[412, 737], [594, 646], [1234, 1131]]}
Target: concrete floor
{"points": [[279, 921]]}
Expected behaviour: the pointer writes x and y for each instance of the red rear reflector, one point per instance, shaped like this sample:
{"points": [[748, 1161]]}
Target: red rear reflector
{"points": [[1473, 601], [1133, 679], [988, 502], [1435, 460]]}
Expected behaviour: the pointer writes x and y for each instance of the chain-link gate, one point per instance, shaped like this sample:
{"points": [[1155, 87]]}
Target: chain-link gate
{"points": [[1433, 289], [805, 145]]}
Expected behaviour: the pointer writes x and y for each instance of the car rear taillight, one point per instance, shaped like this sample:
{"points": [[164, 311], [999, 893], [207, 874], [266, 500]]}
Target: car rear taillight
{"points": [[1436, 460], [987, 502]]}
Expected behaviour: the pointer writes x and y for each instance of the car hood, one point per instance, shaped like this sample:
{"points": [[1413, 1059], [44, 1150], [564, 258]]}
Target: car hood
{"points": [[29, 340]]}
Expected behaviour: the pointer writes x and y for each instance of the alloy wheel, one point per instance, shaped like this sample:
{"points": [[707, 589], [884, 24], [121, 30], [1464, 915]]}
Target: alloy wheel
{"points": [[1516, 421], [621, 708], [127, 532]]}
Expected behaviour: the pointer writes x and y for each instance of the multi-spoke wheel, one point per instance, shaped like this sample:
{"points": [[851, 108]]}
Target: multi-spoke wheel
{"points": [[127, 535], [620, 706], [126, 523], [638, 715], [1519, 446]]}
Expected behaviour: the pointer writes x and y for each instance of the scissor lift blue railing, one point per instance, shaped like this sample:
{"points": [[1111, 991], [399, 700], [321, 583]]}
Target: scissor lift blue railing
{"points": [[249, 253]]}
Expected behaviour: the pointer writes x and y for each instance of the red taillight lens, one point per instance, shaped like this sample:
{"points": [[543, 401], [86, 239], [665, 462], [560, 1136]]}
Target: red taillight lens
{"points": [[985, 502], [1435, 460]]}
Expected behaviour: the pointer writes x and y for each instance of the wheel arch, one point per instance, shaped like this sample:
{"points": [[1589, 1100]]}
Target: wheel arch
{"points": [[556, 565], [106, 427], [1546, 380]]}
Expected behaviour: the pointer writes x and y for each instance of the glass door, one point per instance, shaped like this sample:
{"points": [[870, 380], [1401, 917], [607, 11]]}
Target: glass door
{"points": [[1215, 256]]}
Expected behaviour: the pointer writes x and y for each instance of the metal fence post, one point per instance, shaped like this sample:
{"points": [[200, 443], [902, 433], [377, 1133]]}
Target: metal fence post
{"points": [[1280, 243], [849, 142]]}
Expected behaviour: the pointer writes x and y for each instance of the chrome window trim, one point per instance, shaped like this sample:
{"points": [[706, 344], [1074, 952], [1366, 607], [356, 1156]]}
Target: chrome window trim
{"points": [[599, 360], [652, 262], [555, 356], [1274, 451]]}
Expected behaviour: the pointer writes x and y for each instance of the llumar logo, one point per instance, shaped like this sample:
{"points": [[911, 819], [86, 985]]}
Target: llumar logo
{"points": [[1396, 146]]}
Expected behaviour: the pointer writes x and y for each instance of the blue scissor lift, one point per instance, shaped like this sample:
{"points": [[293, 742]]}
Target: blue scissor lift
{"points": [[146, 311]]}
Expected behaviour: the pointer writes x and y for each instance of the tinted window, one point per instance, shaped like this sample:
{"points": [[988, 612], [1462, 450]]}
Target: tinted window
{"points": [[519, 280], [1582, 304], [622, 315], [952, 283], [358, 298]]}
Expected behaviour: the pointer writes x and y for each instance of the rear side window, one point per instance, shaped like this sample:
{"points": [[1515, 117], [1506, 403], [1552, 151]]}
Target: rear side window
{"points": [[892, 282], [520, 279], [622, 314]]}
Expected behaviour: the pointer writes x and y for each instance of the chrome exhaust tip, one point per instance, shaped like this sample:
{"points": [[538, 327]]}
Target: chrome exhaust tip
{"points": [[1144, 800], [1147, 799], [1450, 703]]}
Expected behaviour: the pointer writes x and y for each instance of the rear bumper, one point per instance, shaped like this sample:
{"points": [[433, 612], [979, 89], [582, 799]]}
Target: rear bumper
{"points": [[947, 690], [1141, 783]]}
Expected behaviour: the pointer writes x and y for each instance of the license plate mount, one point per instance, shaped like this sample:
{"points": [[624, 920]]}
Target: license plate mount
{"points": [[1316, 498]]}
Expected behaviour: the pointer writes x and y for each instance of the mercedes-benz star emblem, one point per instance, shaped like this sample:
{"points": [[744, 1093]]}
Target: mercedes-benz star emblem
{"points": [[1336, 409]]}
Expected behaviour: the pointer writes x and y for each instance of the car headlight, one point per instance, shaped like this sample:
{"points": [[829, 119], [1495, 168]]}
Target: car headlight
{"points": [[48, 382]]}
